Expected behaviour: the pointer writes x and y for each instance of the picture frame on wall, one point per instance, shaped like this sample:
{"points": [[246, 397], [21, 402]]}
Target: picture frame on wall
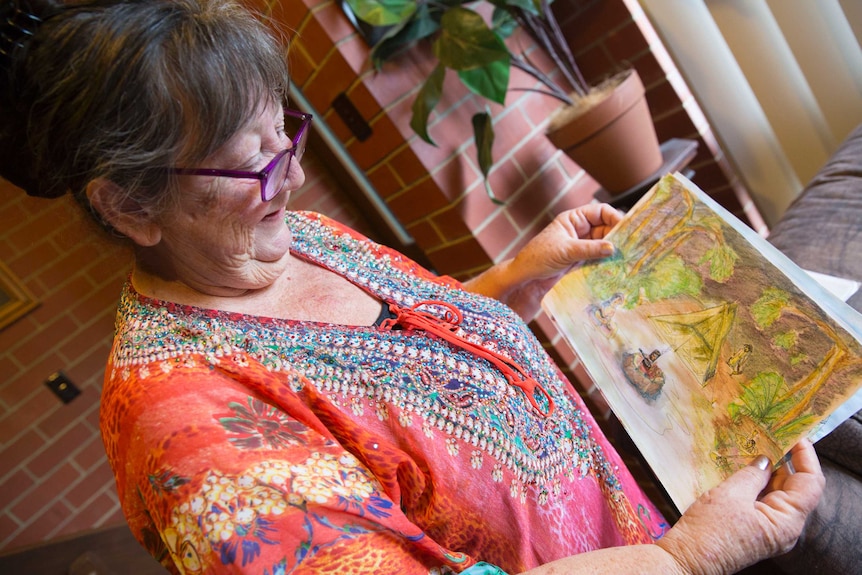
{"points": [[16, 301]]}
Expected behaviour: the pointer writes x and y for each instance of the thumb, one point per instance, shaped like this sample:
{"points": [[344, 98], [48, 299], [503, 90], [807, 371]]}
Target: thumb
{"points": [[590, 249], [750, 480]]}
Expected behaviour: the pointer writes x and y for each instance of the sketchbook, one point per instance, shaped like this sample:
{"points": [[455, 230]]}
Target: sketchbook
{"points": [[710, 346]]}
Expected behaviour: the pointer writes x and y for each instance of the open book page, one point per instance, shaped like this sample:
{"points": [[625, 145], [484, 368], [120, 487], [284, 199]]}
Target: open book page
{"points": [[710, 346]]}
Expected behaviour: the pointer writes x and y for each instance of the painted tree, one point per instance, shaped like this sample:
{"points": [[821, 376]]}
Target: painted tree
{"points": [[653, 270], [770, 308]]}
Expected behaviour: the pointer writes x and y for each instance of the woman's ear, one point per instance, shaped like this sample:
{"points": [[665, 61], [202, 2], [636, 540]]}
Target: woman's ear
{"points": [[123, 213]]}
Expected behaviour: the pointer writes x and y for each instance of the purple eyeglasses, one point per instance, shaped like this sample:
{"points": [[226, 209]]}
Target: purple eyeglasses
{"points": [[273, 176]]}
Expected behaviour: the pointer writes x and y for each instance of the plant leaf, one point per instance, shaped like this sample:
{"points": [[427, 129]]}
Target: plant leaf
{"points": [[425, 101], [382, 12], [466, 42], [483, 132], [490, 81], [531, 6], [503, 23], [424, 23]]}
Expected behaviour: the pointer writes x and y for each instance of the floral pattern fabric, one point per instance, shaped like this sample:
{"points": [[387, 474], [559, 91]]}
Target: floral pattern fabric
{"points": [[247, 444]]}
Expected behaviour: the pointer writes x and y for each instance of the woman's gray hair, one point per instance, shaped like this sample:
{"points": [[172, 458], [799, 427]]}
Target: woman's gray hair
{"points": [[123, 89]]}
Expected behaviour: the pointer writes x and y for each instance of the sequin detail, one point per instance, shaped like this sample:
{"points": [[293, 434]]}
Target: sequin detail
{"points": [[415, 380]]}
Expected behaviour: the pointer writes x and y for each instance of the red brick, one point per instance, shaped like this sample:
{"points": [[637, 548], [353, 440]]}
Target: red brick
{"points": [[506, 178], [385, 138], [314, 39], [73, 261], [459, 257], [13, 487], [398, 79], [93, 419], [59, 449], [16, 451], [476, 207], [586, 23], [32, 259], [662, 98], [11, 212], [512, 130], [450, 224], [42, 342], [91, 455], [42, 526], [52, 487], [8, 526], [497, 235], [65, 415], [301, 68], [338, 28], [16, 332], [91, 483], [6, 250], [98, 333], [363, 100], [89, 370], [676, 124], [518, 242], [535, 199], [578, 194], [8, 368], [626, 43], [41, 405], [43, 225], [455, 176], [453, 127], [425, 234], [89, 517], [709, 177], [595, 65], [333, 78], [114, 267], [287, 15], [58, 302], [116, 517], [355, 52], [417, 202], [77, 230], [408, 167], [583, 381], [384, 180]]}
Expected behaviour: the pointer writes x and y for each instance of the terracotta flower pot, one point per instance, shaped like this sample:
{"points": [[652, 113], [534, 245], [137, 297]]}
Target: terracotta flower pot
{"points": [[615, 140]]}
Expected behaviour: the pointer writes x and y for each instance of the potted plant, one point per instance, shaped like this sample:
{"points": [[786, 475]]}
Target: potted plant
{"points": [[591, 119]]}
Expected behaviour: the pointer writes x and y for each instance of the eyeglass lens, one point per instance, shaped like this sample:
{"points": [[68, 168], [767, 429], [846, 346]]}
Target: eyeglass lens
{"points": [[276, 179]]}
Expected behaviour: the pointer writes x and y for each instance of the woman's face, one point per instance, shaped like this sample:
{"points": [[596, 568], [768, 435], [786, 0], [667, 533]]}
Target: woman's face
{"points": [[221, 237]]}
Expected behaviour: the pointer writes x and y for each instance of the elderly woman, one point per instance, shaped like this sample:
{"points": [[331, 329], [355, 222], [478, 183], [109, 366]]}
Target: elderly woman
{"points": [[284, 395]]}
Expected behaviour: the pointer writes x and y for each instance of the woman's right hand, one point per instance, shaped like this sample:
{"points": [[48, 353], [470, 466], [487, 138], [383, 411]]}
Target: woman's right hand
{"points": [[752, 515]]}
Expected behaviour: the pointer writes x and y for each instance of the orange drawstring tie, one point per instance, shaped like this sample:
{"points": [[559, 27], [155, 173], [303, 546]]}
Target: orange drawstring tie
{"points": [[447, 327]]}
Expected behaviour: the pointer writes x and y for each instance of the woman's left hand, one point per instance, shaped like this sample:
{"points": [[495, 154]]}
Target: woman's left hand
{"points": [[574, 236]]}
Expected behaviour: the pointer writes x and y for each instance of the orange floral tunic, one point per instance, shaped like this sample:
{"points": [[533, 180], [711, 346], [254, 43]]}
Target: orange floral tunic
{"points": [[245, 444]]}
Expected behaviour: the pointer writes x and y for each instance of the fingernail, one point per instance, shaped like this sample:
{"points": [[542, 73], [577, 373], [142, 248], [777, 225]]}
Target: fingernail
{"points": [[762, 462], [607, 249]]}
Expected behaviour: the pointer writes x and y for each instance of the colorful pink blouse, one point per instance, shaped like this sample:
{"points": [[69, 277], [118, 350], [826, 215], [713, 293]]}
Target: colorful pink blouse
{"points": [[246, 444]]}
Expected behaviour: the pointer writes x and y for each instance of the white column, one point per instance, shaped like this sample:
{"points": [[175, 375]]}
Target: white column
{"points": [[709, 67]]}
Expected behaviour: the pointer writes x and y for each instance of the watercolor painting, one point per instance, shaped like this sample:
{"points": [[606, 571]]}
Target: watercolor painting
{"points": [[709, 345]]}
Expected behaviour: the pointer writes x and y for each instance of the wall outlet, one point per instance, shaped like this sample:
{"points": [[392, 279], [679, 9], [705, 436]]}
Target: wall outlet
{"points": [[62, 387]]}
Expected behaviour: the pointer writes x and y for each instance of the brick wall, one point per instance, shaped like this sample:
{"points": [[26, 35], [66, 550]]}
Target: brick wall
{"points": [[54, 477]]}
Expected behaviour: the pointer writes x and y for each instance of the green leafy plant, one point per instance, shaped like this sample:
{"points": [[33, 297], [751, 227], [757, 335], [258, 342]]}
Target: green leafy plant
{"points": [[463, 42]]}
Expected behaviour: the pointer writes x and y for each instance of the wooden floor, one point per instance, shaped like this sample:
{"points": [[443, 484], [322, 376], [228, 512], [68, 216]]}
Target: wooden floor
{"points": [[107, 551]]}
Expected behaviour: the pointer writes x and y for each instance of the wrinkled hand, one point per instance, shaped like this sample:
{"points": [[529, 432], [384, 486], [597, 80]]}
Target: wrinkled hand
{"points": [[574, 236], [750, 516]]}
